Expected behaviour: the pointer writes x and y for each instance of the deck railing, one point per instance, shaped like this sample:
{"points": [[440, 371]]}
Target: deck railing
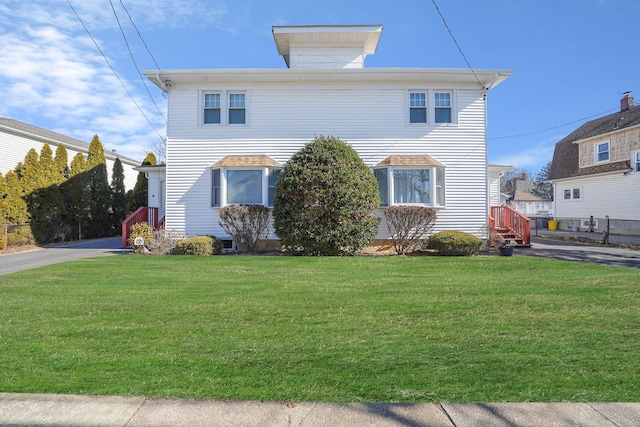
{"points": [[142, 214], [507, 218]]}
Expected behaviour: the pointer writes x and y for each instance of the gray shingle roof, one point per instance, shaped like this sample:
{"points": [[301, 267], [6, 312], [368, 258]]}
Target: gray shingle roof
{"points": [[565, 157], [67, 141]]}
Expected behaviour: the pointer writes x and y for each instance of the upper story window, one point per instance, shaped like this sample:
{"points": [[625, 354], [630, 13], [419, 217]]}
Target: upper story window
{"points": [[442, 107], [411, 180], [635, 161], [417, 107], [212, 108], [602, 152], [244, 180], [237, 108]]}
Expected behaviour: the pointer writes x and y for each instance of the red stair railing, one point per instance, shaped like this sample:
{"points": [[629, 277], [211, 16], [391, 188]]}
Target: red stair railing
{"points": [[507, 218], [142, 214]]}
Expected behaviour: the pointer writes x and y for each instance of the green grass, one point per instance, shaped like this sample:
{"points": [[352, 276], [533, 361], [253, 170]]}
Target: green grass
{"points": [[324, 329]]}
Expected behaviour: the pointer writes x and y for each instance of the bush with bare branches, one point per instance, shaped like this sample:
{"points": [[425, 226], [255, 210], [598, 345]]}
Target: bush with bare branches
{"points": [[245, 223], [408, 226]]}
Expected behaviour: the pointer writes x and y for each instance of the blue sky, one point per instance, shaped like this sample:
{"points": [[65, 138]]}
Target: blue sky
{"points": [[572, 59]]}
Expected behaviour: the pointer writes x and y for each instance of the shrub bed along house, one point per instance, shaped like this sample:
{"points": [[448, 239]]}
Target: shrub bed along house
{"points": [[198, 245]]}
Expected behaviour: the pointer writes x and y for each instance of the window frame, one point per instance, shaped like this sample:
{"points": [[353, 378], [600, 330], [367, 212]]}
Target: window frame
{"points": [[635, 161], [223, 189], [437, 188], [569, 194], [597, 152], [424, 108], [233, 108], [224, 108], [437, 107], [206, 108]]}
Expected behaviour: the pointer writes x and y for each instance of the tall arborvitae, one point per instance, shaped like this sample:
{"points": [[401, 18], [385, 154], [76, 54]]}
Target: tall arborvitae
{"points": [[30, 172], [138, 197], [118, 195], [99, 192], [45, 202], [74, 193], [61, 161], [15, 207]]}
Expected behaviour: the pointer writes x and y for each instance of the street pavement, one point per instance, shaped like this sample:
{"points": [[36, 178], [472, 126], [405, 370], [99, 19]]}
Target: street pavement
{"points": [[22, 410]]}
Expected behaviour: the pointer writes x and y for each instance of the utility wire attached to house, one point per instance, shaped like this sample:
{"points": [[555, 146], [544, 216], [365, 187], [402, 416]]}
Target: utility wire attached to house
{"points": [[444, 21], [113, 69], [133, 59]]}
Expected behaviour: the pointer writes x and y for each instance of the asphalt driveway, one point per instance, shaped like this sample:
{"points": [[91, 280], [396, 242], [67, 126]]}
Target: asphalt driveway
{"points": [[40, 257], [581, 252]]}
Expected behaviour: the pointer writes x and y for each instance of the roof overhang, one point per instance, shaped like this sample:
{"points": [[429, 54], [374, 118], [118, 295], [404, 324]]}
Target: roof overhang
{"points": [[151, 168], [246, 161], [409, 160], [446, 77], [365, 36]]}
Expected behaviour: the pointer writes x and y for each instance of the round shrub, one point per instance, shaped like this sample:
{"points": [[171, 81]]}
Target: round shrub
{"points": [[198, 245], [325, 200], [455, 243]]}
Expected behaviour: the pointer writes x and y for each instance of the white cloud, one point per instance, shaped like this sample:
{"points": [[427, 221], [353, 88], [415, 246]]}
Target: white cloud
{"points": [[533, 157]]}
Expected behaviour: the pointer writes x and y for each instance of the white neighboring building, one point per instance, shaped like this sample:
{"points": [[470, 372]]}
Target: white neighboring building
{"points": [[595, 172], [17, 138], [230, 131]]}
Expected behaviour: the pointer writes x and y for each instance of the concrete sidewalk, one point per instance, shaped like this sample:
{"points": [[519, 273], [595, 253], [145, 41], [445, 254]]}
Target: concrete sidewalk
{"points": [[91, 411]]}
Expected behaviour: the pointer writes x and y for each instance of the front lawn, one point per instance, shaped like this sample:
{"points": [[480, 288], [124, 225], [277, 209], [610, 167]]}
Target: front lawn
{"points": [[323, 329]]}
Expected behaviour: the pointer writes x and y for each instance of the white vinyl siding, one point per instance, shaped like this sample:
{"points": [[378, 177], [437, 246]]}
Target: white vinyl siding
{"points": [[372, 119], [600, 195]]}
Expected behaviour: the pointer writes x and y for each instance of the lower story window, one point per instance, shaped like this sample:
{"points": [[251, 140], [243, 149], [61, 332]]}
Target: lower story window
{"points": [[244, 186], [571, 194], [411, 186], [231, 186]]}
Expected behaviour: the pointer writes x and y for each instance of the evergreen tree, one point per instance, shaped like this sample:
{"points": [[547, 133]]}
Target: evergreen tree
{"points": [[61, 161], [15, 207], [48, 166], [118, 195], [30, 173], [78, 165], [138, 197], [99, 192], [542, 188]]}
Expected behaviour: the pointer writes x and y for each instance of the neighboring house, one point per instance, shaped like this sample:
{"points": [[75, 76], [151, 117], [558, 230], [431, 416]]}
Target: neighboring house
{"points": [[527, 203], [496, 172], [596, 172], [230, 131], [17, 138]]}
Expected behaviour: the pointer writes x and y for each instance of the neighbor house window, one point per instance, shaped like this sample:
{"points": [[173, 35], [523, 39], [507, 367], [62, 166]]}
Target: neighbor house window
{"points": [[417, 107], [212, 108], [602, 152], [571, 194], [411, 186], [442, 104], [635, 161], [237, 108]]}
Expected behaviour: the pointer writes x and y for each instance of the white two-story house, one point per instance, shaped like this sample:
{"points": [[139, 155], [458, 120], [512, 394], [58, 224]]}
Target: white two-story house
{"points": [[230, 131]]}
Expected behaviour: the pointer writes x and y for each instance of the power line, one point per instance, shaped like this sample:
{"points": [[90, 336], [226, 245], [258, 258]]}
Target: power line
{"points": [[113, 70], [126, 42], [444, 21], [554, 127], [140, 35]]}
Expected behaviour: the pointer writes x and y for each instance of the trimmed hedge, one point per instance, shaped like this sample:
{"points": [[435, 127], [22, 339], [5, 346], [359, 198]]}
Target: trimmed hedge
{"points": [[455, 243], [199, 245]]}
